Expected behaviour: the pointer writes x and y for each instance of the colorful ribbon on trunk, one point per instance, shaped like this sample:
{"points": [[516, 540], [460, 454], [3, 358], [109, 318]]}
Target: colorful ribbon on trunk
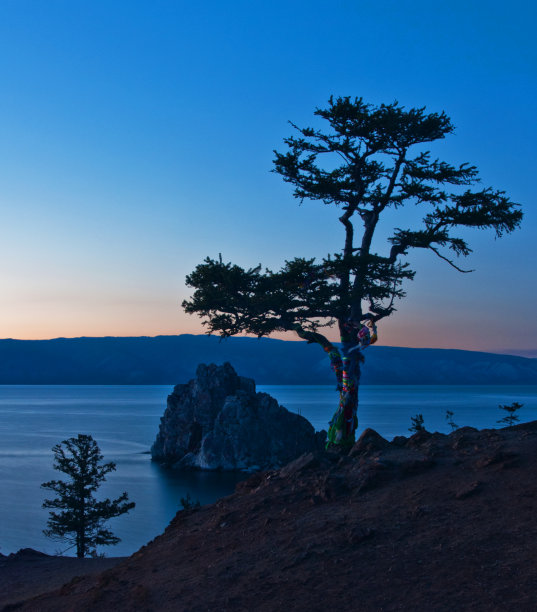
{"points": [[344, 423]]}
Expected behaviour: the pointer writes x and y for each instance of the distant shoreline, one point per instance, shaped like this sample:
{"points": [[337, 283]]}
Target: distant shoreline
{"points": [[168, 360]]}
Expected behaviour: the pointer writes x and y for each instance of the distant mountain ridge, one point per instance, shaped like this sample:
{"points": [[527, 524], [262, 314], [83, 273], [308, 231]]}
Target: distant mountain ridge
{"points": [[173, 359]]}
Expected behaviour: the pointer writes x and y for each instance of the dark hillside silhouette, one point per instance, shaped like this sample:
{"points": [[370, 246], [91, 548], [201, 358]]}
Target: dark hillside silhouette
{"points": [[169, 360]]}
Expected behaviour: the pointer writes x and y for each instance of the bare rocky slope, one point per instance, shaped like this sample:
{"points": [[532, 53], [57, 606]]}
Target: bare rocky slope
{"points": [[430, 522]]}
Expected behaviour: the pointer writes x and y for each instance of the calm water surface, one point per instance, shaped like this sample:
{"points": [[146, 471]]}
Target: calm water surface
{"points": [[124, 420]]}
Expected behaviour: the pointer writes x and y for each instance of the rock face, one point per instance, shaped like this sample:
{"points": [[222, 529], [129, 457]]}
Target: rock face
{"points": [[217, 421], [431, 522]]}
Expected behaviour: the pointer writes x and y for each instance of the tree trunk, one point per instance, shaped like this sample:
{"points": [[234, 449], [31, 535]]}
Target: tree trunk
{"points": [[346, 367], [345, 420], [81, 530], [79, 546]]}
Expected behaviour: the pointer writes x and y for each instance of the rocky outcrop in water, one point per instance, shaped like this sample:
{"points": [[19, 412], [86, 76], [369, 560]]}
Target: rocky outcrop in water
{"points": [[217, 421]]}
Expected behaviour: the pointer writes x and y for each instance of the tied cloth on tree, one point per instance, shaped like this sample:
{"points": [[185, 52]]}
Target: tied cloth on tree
{"points": [[347, 369]]}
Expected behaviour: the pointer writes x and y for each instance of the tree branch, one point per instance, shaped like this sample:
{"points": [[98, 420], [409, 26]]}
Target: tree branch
{"points": [[393, 179], [449, 261], [312, 337]]}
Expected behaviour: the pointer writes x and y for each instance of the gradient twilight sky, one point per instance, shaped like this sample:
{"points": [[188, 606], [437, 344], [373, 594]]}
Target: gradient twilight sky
{"points": [[136, 138]]}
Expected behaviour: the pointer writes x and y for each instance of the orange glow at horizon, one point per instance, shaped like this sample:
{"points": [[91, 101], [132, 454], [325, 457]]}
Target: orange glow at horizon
{"points": [[413, 332]]}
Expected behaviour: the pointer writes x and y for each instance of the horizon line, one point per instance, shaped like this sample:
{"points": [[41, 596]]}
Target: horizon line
{"points": [[524, 353]]}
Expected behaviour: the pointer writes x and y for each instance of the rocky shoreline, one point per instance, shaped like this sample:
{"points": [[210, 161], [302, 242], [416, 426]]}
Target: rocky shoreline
{"points": [[433, 522]]}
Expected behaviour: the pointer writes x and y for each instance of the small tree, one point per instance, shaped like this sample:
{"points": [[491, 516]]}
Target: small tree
{"points": [[364, 165], [81, 520], [511, 417], [187, 503], [417, 423], [449, 418]]}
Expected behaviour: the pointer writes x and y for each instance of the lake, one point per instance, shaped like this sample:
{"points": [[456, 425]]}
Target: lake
{"points": [[124, 421]]}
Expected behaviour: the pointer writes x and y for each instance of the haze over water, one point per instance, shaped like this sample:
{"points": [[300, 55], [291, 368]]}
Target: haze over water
{"points": [[124, 420]]}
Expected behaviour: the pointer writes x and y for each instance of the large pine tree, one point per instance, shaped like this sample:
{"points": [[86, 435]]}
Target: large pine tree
{"points": [[369, 160]]}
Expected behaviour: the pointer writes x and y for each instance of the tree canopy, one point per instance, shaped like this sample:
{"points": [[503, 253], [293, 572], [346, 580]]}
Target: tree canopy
{"points": [[369, 160]]}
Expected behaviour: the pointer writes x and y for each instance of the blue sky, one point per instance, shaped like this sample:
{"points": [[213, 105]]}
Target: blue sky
{"points": [[136, 138]]}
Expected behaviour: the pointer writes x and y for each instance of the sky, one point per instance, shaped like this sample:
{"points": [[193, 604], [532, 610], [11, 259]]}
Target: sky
{"points": [[137, 138]]}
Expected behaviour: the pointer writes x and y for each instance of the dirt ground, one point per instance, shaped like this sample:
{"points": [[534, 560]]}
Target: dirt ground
{"points": [[430, 522], [29, 573]]}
